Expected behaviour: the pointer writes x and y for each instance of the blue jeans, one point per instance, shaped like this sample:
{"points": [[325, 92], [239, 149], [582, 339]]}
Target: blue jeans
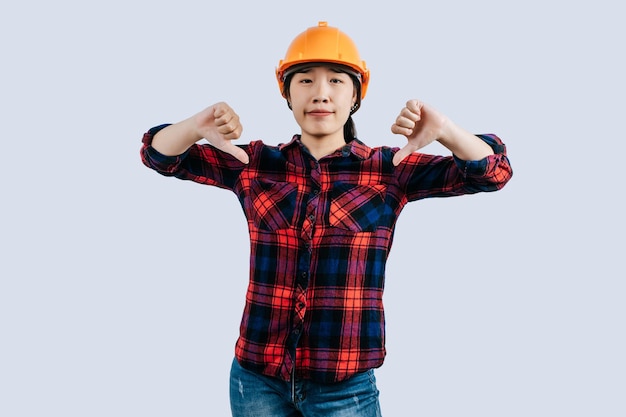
{"points": [[255, 395]]}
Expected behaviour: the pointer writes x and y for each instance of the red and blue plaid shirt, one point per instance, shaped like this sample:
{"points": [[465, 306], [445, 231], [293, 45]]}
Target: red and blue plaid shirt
{"points": [[320, 235]]}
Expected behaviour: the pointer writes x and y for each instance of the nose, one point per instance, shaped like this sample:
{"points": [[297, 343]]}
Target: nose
{"points": [[321, 93]]}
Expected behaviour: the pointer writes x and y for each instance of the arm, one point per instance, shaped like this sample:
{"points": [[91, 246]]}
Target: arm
{"points": [[218, 124], [422, 124]]}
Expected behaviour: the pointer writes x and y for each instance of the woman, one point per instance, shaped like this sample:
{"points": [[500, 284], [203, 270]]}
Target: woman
{"points": [[321, 211]]}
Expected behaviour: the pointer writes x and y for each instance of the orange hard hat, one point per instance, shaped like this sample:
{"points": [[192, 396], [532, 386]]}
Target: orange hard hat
{"points": [[323, 43]]}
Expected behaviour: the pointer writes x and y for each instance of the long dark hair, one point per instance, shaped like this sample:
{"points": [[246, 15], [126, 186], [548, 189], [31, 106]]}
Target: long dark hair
{"points": [[349, 128]]}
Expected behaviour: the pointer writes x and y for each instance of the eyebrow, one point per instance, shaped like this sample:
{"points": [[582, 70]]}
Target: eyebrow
{"points": [[333, 69]]}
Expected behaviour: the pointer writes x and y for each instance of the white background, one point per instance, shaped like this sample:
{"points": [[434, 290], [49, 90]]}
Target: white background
{"points": [[121, 290]]}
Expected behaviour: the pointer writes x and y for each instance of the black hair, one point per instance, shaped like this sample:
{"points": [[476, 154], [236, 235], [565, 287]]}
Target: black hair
{"points": [[349, 130]]}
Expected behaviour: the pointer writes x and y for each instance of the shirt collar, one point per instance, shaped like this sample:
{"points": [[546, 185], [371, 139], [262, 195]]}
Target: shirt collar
{"points": [[354, 147]]}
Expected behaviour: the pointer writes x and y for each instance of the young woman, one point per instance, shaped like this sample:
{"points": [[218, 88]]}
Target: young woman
{"points": [[321, 212]]}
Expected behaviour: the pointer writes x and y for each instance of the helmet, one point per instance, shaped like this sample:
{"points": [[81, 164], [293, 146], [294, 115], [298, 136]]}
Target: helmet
{"points": [[323, 43]]}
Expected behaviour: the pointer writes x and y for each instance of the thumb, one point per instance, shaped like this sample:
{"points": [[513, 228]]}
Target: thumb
{"points": [[402, 153], [236, 151]]}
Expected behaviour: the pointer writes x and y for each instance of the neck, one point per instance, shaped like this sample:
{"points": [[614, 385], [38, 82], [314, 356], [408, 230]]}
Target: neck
{"points": [[319, 147]]}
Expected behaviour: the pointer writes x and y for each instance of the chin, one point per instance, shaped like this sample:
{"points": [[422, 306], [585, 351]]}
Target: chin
{"points": [[319, 134], [321, 131]]}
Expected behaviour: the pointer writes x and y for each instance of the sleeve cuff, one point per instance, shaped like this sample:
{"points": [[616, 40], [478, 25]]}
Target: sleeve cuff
{"points": [[165, 164], [149, 135], [481, 166]]}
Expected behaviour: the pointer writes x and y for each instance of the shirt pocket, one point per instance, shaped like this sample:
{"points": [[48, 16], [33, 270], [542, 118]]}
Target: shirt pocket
{"points": [[357, 208], [273, 204]]}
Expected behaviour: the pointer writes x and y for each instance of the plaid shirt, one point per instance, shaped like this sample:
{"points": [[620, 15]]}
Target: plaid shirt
{"points": [[320, 234]]}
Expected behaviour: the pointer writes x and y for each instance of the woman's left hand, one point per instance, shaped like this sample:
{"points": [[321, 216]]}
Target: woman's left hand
{"points": [[421, 124]]}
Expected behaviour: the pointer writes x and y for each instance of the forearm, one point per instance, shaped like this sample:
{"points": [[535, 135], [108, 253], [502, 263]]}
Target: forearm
{"points": [[176, 139], [463, 144]]}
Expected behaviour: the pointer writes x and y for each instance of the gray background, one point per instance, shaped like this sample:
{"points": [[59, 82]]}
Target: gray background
{"points": [[121, 290]]}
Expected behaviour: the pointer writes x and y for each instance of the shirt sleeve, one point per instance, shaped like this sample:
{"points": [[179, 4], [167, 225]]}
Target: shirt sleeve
{"points": [[201, 163], [422, 175]]}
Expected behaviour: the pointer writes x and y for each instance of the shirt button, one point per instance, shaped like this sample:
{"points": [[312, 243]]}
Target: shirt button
{"points": [[312, 217], [296, 331]]}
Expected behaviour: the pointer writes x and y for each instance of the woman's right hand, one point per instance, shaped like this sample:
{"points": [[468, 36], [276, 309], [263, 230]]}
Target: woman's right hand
{"points": [[220, 125]]}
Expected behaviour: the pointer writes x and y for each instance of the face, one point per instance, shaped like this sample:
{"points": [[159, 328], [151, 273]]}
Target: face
{"points": [[321, 99]]}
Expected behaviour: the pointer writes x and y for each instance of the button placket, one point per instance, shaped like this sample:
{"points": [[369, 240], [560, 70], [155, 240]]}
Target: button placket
{"points": [[311, 206]]}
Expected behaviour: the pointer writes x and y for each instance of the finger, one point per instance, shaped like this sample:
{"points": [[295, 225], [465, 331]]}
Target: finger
{"points": [[401, 130], [406, 122], [415, 106], [401, 154], [236, 151], [225, 117], [226, 120], [413, 114], [231, 128], [220, 109]]}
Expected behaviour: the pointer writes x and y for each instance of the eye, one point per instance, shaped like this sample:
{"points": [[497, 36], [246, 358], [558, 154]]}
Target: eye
{"points": [[336, 81], [302, 78]]}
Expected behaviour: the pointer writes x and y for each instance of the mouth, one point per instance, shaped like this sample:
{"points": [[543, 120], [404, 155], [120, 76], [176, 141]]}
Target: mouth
{"points": [[319, 112]]}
